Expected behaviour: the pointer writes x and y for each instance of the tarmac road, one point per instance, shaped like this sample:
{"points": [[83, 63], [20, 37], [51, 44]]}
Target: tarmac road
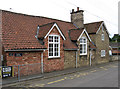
{"points": [[102, 76]]}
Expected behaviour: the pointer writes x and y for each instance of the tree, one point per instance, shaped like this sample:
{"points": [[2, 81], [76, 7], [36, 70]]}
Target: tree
{"points": [[115, 38]]}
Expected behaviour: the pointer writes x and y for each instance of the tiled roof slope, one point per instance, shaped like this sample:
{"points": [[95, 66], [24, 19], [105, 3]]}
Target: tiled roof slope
{"points": [[19, 31], [92, 27], [44, 29], [92, 46], [114, 44], [75, 33]]}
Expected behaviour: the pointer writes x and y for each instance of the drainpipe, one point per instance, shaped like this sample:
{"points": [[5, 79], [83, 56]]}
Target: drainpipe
{"points": [[76, 58], [90, 57], [42, 69]]}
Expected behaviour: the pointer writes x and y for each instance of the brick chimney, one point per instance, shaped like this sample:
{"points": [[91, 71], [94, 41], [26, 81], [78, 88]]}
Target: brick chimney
{"points": [[77, 18]]}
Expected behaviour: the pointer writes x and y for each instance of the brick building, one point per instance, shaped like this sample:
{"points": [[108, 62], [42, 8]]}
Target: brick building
{"points": [[55, 44]]}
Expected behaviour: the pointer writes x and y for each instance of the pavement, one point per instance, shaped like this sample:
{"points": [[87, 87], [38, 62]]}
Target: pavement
{"points": [[7, 81]]}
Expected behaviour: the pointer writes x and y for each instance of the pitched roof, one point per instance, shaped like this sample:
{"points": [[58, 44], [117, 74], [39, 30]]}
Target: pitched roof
{"points": [[43, 30], [19, 30], [69, 45], [75, 33], [93, 27], [115, 51], [114, 44], [92, 46]]}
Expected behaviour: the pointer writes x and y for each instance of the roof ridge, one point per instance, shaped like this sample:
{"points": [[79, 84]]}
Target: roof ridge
{"points": [[77, 29], [93, 22], [36, 16], [47, 24]]}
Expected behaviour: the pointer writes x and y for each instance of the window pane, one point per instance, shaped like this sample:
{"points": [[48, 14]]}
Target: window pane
{"points": [[50, 54], [56, 49], [50, 38], [50, 49], [84, 48], [102, 36], [80, 48], [80, 40], [84, 40], [102, 53], [56, 39], [50, 45]]}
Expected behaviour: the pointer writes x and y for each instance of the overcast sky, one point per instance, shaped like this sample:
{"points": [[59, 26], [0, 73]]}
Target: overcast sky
{"points": [[94, 10]]}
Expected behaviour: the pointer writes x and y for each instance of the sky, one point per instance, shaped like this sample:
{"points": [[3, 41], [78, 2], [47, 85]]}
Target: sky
{"points": [[94, 10]]}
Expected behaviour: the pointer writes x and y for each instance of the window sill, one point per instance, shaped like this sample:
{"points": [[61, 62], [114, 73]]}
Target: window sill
{"points": [[54, 58], [102, 56], [83, 54]]}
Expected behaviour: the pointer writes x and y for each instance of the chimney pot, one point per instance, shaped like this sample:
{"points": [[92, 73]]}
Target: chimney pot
{"points": [[72, 10], [77, 8]]}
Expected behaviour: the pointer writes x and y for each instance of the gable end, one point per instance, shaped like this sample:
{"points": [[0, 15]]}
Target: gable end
{"points": [[86, 34], [55, 25]]}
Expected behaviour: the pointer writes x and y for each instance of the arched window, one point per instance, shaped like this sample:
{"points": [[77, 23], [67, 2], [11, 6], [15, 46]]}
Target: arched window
{"points": [[83, 46]]}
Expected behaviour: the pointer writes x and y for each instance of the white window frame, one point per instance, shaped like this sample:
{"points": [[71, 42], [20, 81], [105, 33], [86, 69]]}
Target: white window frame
{"points": [[102, 37], [54, 46], [103, 53], [83, 46]]}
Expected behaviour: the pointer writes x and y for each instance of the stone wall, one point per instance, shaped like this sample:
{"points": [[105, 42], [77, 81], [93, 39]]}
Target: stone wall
{"points": [[93, 58], [83, 60], [70, 59], [77, 18], [101, 45]]}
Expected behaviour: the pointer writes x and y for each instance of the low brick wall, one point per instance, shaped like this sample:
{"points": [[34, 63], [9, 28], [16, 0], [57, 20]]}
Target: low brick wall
{"points": [[29, 69]]}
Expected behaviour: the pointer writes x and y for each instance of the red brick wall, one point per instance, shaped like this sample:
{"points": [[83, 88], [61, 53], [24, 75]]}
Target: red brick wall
{"points": [[54, 64], [28, 58], [29, 62]]}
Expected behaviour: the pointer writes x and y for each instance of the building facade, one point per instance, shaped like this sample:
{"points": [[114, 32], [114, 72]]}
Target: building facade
{"points": [[53, 43]]}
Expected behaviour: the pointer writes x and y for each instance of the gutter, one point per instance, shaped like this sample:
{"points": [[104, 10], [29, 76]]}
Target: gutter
{"points": [[70, 49], [24, 50]]}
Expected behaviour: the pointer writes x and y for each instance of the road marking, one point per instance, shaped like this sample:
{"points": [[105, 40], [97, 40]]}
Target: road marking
{"points": [[78, 76], [65, 77], [56, 81], [71, 78], [30, 86], [84, 74], [93, 71], [39, 85], [75, 75], [103, 68]]}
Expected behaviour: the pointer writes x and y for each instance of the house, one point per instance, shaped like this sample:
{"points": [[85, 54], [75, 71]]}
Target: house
{"points": [[115, 50], [53, 43], [100, 36]]}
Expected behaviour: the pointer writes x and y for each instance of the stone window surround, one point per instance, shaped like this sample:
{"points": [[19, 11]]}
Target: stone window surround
{"points": [[54, 43], [102, 37], [102, 53]]}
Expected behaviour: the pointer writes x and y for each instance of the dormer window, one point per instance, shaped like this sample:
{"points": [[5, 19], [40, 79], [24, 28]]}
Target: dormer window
{"points": [[83, 46], [53, 46]]}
